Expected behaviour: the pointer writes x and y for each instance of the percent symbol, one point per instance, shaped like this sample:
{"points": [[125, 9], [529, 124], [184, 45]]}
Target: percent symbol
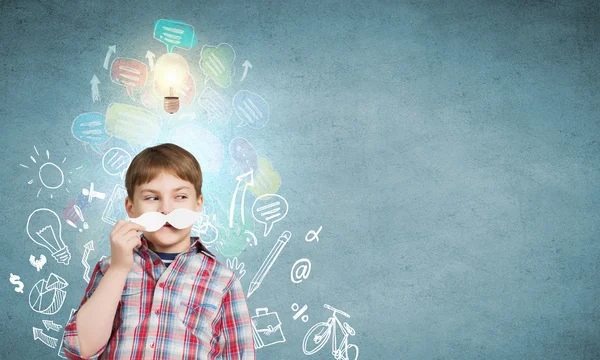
{"points": [[299, 312]]}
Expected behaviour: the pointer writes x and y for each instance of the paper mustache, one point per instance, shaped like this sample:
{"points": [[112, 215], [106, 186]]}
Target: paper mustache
{"points": [[179, 218]]}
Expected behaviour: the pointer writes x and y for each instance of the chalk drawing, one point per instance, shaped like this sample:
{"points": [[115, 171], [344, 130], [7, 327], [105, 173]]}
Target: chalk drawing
{"points": [[269, 209], [300, 270], [269, 261], [51, 175], [316, 337], [266, 328], [44, 228], [37, 264], [47, 295]]}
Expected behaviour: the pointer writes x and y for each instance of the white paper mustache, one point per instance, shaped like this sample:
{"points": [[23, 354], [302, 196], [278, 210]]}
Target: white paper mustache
{"points": [[179, 218]]}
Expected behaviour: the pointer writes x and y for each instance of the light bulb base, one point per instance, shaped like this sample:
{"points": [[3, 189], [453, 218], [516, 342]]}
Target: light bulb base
{"points": [[62, 256], [171, 104]]}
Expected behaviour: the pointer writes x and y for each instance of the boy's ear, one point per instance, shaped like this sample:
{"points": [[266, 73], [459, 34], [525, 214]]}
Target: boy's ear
{"points": [[128, 207], [200, 202]]}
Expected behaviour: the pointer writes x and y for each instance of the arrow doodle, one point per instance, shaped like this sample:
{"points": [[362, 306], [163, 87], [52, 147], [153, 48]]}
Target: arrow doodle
{"points": [[38, 334], [150, 56], [38, 264], [84, 260], [50, 325], [95, 91], [248, 183], [246, 66], [111, 50]]}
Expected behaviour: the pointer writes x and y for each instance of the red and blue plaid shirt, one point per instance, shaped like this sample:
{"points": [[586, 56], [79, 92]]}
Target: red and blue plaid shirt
{"points": [[194, 309]]}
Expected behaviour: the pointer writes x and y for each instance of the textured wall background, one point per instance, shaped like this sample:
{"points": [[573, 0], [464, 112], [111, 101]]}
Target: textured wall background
{"points": [[449, 150]]}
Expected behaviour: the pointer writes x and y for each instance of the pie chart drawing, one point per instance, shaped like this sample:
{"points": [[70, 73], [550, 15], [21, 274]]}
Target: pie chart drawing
{"points": [[47, 295]]}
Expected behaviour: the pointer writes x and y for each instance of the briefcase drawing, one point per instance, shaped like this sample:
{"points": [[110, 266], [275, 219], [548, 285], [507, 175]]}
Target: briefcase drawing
{"points": [[266, 328]]}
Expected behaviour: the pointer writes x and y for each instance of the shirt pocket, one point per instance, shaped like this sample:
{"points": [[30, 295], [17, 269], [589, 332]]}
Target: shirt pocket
{"points": [[199, 309], [131, 301]]}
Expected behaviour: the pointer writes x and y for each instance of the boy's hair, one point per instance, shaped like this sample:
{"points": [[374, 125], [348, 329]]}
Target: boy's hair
{"points": [[150, 162]]}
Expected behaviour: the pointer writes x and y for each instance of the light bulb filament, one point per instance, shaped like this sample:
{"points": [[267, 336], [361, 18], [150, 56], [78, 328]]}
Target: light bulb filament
{"points": [[49, 246]]}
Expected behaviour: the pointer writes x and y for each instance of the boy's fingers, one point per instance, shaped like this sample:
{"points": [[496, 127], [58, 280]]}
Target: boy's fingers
{"points": [[138, 242], [132, 239], [134, 242], [117, 226], [129, 226]]}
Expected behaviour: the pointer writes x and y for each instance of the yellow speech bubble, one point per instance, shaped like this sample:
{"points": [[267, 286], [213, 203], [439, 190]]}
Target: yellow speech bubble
{"points": [[132, 124], [266, 179]]}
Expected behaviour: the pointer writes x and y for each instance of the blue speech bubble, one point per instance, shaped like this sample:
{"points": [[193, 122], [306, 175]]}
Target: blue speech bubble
{"points": [[174, 33], [89, 128], [244, 154], [251, 108]]}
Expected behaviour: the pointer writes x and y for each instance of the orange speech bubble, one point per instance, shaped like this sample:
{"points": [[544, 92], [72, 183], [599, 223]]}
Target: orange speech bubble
{"points": [[130, 73]]}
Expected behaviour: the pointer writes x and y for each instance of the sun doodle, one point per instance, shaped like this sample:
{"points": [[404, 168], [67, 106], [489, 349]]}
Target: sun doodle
{"points": [[50, 174]]}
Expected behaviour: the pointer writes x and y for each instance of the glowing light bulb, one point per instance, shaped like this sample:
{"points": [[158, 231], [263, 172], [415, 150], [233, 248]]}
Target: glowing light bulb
{"points": [[170, 73], [44, 228]]}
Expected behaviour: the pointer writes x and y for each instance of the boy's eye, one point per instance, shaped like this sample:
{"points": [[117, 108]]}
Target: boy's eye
{"points": [[154, 197]]}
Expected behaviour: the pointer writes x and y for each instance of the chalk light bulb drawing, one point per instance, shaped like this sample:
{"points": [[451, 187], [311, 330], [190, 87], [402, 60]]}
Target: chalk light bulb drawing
{"points": [[170, 72], [44, 228]]}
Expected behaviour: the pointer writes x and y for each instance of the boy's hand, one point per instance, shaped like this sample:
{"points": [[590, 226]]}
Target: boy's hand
{"points": [[123, 238]]}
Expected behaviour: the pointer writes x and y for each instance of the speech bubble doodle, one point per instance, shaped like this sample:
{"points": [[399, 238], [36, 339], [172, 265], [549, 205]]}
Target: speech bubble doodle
{"points": [[269, 209], [132, 124], [130, 73], [217, 63], [243, 154], [115, 161], [251, 108], [214, 105], [203, 144], [89, 128], [175, 33], [266, 179]]}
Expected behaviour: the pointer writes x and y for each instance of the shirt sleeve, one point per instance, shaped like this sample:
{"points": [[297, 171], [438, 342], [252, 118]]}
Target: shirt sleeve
{"points": [[236, 339], [71, 345]]}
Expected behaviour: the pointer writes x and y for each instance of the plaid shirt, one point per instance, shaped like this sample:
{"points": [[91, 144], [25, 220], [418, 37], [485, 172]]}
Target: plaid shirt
{"points": [[197, 311]]}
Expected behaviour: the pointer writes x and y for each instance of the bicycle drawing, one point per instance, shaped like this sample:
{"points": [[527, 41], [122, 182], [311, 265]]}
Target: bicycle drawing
{"points": [[318, 335]]}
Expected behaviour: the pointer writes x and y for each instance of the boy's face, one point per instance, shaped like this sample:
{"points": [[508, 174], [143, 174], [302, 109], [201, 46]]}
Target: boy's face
{"points": [[164, 194]]}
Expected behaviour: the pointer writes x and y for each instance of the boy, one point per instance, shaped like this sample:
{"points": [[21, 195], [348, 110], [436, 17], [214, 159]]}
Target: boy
{"points": [[161, 295]]}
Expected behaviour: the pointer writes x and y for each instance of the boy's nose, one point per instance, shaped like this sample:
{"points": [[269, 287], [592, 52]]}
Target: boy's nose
{"points": [[165, 207]]}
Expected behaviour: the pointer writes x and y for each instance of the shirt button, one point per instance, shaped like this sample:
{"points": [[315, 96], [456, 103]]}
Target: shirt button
{"points": [[157, 261], [157, 311], [162, 285], [152, 345], [125, 287]]}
